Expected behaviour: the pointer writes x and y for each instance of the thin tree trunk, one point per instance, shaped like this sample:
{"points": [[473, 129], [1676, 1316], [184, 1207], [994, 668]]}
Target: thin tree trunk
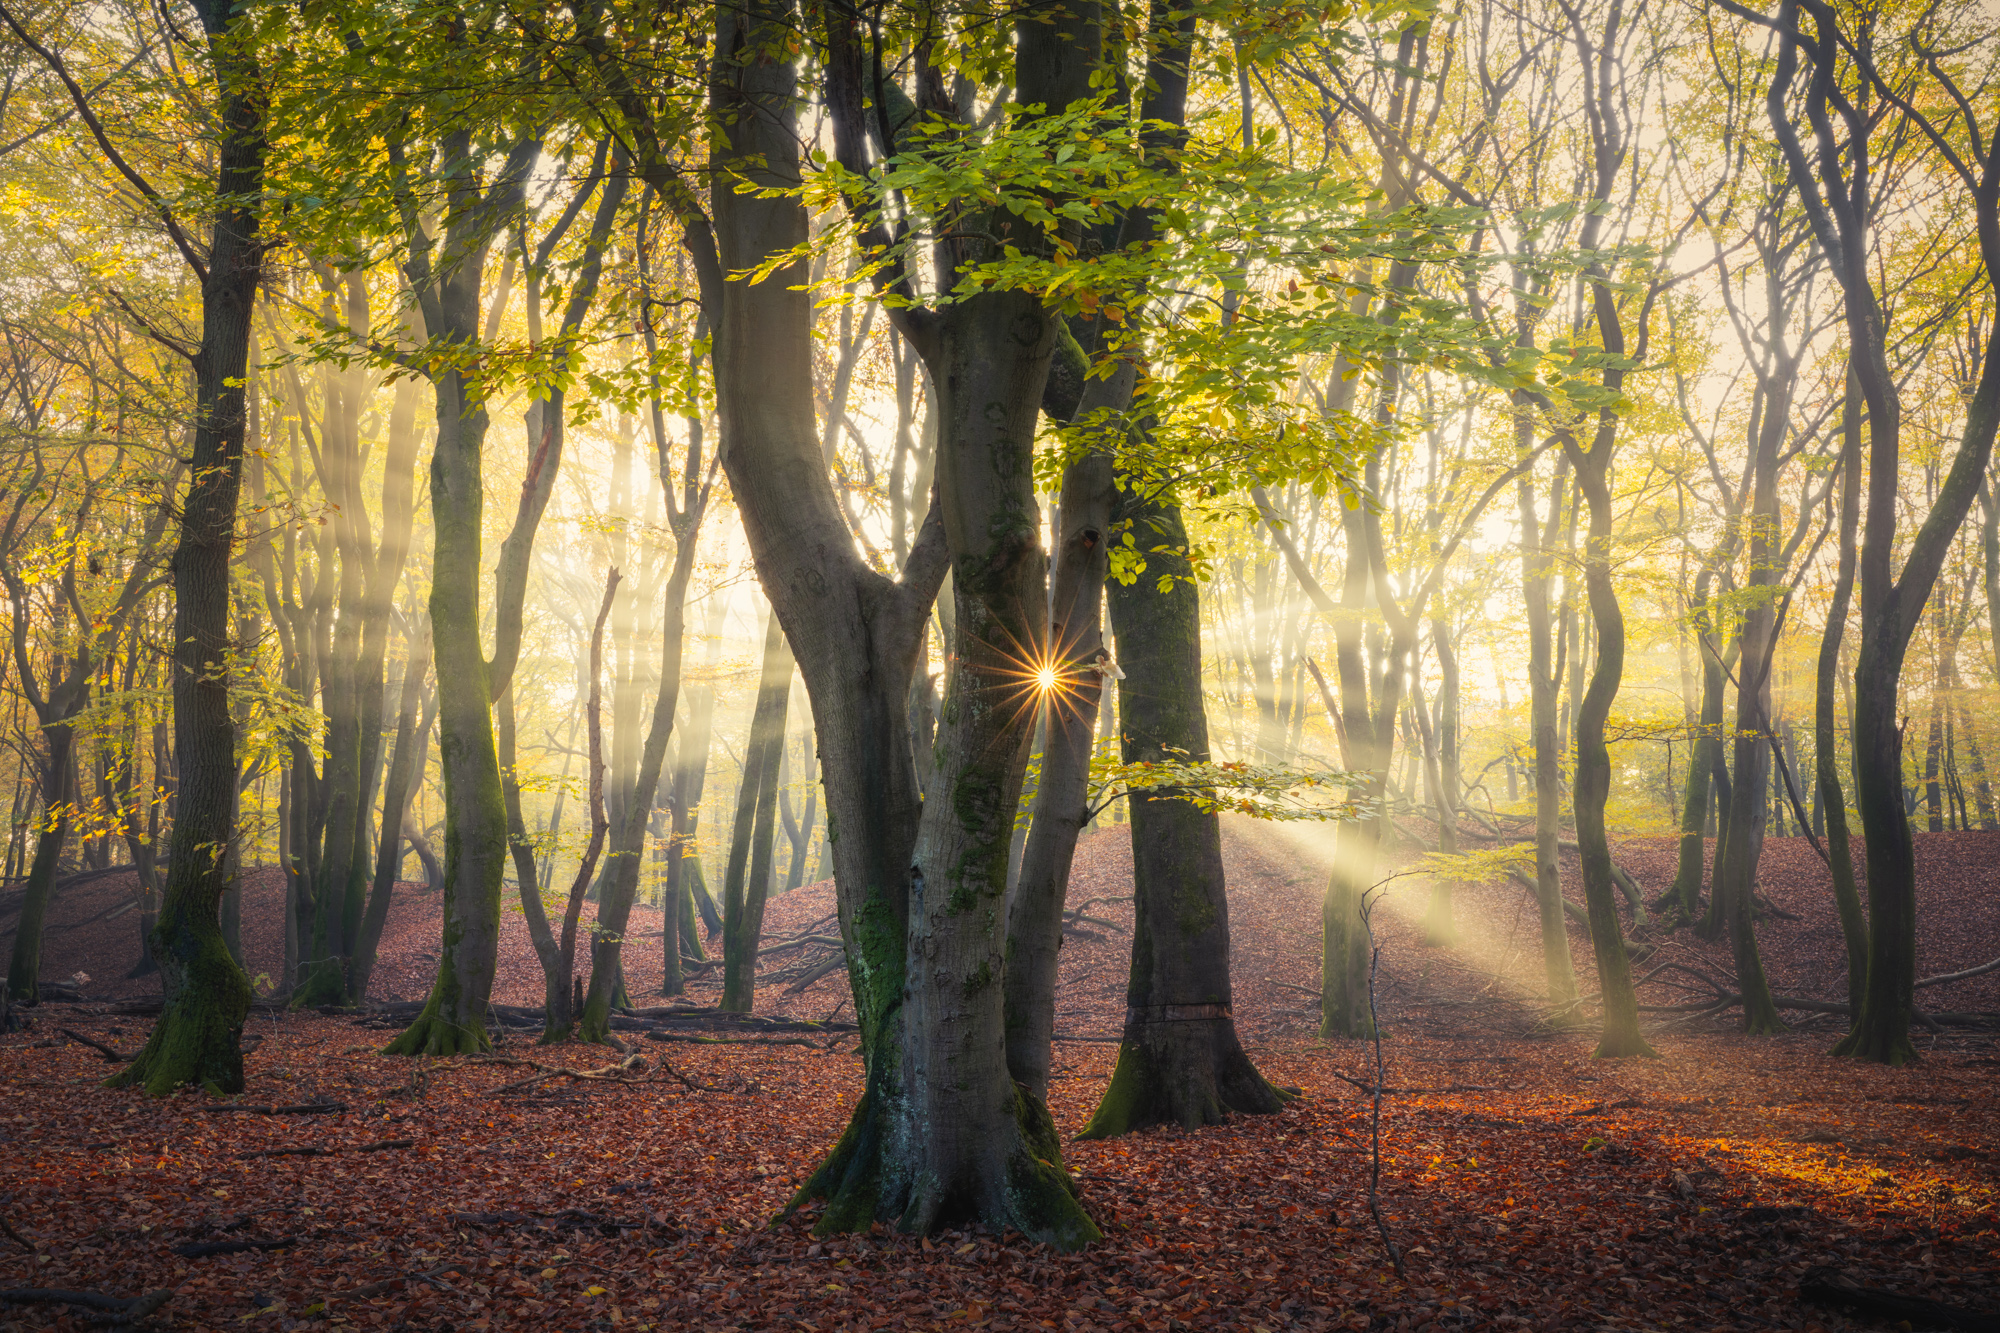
{"points": [[1075, 646], [747, 884], [405, 775]]}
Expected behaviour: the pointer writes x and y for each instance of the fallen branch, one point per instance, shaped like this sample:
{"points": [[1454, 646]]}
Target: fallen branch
{"points": [[209, 1248], [118, 1057], [830, 965], [1979, 971], [123, 1311], [304, 1108], [320, 1151], [1830, 1286]]}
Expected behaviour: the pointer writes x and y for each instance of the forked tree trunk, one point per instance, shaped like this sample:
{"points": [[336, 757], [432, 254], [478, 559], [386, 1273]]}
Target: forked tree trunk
{"points": [[405, 774], [747, 884], [447, 281], [1179, 1061], [1075, 643], [1682, 901], [628, 840]]}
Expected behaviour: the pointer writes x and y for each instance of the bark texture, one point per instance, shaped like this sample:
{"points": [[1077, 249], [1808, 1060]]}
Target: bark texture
{"points": [[1179, 1061]]}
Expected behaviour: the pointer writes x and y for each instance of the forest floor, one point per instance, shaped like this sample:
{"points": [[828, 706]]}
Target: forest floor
{"points": [[1529, 1186]]}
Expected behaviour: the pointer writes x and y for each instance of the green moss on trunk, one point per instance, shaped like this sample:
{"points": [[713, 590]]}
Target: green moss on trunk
{"points": [[197, 1041]]}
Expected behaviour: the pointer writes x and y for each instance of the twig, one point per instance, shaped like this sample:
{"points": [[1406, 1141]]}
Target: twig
{"points": [[16, 1236], [1375, 1121]]}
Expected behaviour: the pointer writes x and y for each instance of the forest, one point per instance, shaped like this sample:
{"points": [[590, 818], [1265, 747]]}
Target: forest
{"points": [[855, 664]]}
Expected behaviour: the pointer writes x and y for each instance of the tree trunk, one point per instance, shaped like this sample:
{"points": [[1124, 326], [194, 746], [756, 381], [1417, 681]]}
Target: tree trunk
{"points": [[1075, 647], [1826, 749], [1683, 901], [1536, 564], [405, 775], [24, 968], [1179, 1061], [628, 840], [196, 1040], [448, 287], [747, 884], [1593, 770]]}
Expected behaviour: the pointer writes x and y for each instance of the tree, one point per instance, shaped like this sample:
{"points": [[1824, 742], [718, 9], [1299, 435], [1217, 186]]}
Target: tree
{"points": [[1853, 112], [207, 995]]}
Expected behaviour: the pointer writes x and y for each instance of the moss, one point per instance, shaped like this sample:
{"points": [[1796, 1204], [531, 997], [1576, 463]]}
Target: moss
{"points": [[434, 1031], [850, 1179], [322, 984], [1041, 1198], [1118, 1112], [979, 980], [197, 1041], [1878, 1043], [876, 962]]}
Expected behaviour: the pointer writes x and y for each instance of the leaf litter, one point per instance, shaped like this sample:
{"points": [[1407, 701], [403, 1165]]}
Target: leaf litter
{"points": [[1529, 1186]]}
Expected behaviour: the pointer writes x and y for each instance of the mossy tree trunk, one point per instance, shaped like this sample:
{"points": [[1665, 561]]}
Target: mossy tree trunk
{"points": [[447, 287], [746, 885], [206, 996], [1180, 1061]]}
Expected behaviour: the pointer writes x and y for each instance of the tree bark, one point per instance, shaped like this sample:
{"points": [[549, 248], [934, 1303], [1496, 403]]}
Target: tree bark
{"points": [[1179, 1060], [1826, 748], [1075, 644], [747, 884], [405, 774]]}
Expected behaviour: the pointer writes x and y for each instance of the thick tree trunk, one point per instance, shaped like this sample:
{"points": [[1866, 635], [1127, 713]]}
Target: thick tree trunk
{"points": [[448, 281], [1180, 1061], [453, 1020], [197, 1037]]}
